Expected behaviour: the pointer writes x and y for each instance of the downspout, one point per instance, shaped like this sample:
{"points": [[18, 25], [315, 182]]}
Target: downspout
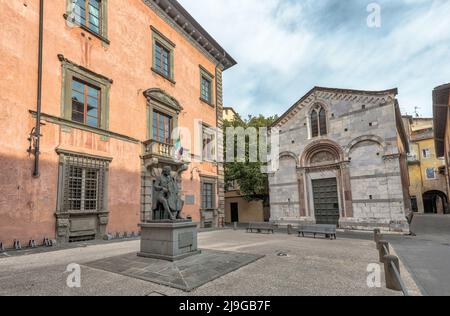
{"points": [[37, 131], [217, 152]]}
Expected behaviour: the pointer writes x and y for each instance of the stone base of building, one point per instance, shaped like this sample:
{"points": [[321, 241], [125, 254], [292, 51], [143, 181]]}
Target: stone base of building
{"points": [[170, 241], [400, 226]]}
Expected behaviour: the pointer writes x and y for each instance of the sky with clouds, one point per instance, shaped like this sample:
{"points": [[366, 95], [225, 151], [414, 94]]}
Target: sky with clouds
{"points": [[286, 47]]}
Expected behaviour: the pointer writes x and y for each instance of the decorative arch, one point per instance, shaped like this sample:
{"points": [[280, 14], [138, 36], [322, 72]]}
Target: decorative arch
{"points": [[289, 154], [318, 104], [327, 148], [364, 138], [430, 201]]}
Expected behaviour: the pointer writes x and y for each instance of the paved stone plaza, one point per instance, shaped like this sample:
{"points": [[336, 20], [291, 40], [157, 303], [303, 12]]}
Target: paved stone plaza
{"points": [[289, 266]]}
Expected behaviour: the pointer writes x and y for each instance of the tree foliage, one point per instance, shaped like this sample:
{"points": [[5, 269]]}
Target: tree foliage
{"points": [[253, 184]]}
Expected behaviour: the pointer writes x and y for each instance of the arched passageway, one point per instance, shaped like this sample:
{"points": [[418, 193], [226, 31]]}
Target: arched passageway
{"points": [[435, 202]]}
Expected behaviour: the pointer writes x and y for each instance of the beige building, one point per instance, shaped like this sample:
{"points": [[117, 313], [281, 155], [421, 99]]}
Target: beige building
{"points": [[239, 210], [229, 114], [428, 184]]}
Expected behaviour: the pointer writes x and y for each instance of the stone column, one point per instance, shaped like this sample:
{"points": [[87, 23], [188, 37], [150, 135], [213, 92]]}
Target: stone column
{"points": [[347, 190], [301, 191]]}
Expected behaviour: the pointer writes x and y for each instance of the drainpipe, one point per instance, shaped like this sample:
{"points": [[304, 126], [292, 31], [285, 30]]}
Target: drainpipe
{"points": [[217, 124], [37, 132]]}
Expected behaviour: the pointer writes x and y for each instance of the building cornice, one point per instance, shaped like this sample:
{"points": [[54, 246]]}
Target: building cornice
{"points": [[176, 16]]}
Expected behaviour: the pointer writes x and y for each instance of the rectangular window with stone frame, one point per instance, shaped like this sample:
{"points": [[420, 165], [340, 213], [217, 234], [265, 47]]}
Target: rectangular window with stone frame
{"points": [[90, 15], [85, 96], [209, 144], [163, 55], [206, 86], [208, 193]]}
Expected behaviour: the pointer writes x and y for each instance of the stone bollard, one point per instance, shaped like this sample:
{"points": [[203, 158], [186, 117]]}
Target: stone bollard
{"points": [[382, 247], [235, 226], [290, 229], [376, 232], [392, 282], [378, 238]]}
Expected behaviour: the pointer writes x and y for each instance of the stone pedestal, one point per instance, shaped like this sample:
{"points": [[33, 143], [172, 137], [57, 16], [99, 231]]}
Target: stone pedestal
{"points": [[167, 240]]}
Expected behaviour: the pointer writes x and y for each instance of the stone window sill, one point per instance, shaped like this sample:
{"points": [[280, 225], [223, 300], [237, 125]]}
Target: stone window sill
{"points": [[84, 28], [207, 102], [163, 75]]}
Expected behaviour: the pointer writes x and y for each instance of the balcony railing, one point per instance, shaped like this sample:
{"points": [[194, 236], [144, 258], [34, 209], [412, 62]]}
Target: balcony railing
{"points": [[154, 147]]}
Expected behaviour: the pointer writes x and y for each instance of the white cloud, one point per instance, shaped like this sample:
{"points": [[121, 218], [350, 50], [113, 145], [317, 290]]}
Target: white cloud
{"points": [[285, 47]]}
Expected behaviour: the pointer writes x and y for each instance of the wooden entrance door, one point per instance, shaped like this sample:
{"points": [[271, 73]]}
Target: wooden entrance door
{"points": [[326, 201]]}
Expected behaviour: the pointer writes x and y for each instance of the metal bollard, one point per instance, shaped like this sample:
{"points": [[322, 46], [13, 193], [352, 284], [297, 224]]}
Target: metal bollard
{"points": [[392, 280], [376, 232], [17, 245], [32, 244], [383, 249], [235, 227], [290, 229]]}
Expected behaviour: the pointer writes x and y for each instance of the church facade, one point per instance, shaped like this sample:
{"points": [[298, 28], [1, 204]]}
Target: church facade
{"points": [[343, 161]]}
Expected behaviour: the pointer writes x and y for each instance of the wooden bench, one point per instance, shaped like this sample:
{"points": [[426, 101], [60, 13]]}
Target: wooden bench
{"points": [[328, 230], [260, 227]]}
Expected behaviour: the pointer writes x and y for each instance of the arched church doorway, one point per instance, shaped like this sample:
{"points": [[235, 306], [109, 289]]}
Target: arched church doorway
{"points": [[435, 202], [324, 179]]}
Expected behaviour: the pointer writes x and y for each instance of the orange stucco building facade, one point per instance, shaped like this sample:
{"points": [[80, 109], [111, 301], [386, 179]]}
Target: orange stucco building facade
{"points": [[95, 176]]}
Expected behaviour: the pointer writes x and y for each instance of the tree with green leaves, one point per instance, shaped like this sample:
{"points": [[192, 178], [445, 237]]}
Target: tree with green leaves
{"points": [[253, 184]]}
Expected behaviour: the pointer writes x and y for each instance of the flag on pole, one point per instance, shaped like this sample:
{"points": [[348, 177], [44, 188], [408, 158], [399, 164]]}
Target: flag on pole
{"points": [[179, 150]]}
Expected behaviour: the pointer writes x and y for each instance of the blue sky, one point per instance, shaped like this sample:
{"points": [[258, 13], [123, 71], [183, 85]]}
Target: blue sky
{"points": [[285, 47]]}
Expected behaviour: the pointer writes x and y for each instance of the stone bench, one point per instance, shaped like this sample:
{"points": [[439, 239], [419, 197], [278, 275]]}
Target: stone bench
{"points": [[328, 230], [260, 227]]}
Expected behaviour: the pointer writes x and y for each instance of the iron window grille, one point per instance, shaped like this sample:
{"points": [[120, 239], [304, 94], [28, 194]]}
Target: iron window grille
{"points": [[84, 183]]}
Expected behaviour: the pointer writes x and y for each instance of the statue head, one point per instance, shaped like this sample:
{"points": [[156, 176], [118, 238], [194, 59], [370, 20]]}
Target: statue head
{"points": [[166, 171]]}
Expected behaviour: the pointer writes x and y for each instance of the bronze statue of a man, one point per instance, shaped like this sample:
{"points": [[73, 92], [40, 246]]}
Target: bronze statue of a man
{"points": [[167, 194]]}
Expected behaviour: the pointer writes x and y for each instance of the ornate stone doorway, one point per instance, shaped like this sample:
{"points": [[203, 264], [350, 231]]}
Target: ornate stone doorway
{"points": [[324, 183]]}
